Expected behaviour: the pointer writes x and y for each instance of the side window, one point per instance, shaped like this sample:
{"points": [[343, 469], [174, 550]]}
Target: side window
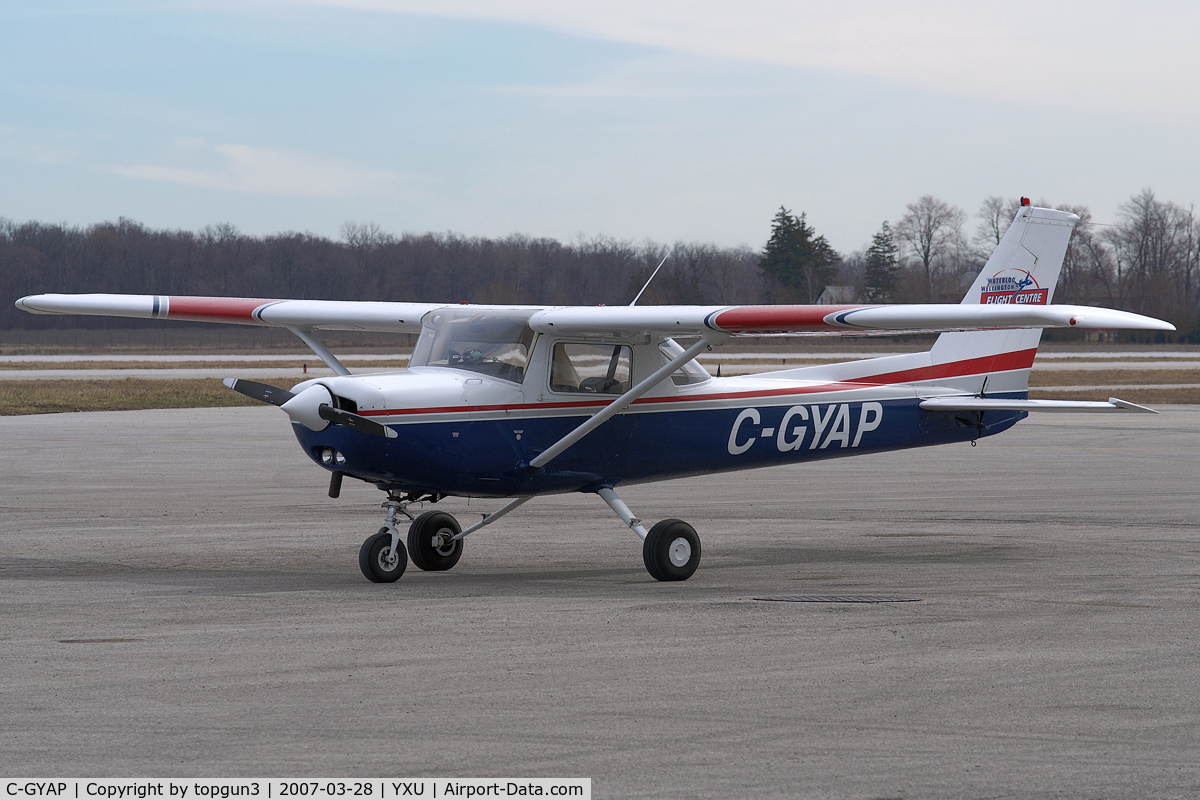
{"points": [[691, 372], [590, 368]]}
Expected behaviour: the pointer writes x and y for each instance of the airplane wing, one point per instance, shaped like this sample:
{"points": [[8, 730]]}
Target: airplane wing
{"points": [[668, 320], [329, 315], [758, 320]]}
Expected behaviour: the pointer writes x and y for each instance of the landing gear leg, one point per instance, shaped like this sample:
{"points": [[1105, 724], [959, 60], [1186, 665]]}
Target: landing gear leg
{"points": [[670, 549], [382, 557]]}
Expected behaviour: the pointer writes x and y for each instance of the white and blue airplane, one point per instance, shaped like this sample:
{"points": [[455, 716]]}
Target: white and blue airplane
{"points": [[512, 402]]}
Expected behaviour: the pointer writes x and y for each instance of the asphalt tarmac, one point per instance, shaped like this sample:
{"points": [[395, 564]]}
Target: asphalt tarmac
{"points": [[179, 598]]}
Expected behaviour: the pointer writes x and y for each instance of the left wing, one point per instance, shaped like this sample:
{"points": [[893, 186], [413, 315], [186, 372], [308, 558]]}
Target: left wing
{"points": [[698, 320]]}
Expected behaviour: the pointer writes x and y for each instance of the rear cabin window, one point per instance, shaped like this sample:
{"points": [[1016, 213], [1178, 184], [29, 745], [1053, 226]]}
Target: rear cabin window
{"points": [[590, 368], [691, 372]]}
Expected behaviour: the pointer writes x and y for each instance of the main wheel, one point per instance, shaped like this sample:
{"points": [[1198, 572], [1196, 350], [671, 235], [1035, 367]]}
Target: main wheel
{"points": [[430, 543], [376, 560], [671, 551]]}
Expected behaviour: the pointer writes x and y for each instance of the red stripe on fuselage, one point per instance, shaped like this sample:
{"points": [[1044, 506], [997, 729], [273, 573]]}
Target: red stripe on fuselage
{"points": [[1001, 362], [225, 309], [1021, 359]]}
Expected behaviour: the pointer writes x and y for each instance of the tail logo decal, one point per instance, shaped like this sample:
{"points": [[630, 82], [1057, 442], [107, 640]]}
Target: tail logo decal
{"points": [[1013, 286]]}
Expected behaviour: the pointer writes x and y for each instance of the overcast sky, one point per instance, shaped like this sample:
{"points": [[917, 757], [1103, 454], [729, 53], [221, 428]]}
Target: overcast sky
{"points": [[646, 119]]}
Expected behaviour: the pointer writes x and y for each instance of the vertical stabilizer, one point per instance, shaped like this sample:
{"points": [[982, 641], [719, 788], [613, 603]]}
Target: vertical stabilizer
{"points": [[1024, 268]]}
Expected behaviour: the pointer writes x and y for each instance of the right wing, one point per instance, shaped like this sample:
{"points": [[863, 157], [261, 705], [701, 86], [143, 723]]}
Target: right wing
{"points": [[328, 315]]}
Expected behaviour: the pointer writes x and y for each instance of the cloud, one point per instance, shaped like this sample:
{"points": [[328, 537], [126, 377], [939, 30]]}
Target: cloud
{"points": [[261, 171], [37, 146], [1077, 54]]}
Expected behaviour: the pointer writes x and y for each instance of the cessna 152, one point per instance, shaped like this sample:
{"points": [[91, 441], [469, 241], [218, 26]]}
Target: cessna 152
{"points": [[513, 402]]}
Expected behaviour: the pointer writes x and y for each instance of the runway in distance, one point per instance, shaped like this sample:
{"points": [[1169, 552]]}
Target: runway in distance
{"points": [[512, 402]]}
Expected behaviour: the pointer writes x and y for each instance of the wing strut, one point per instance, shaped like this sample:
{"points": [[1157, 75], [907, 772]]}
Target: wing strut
{"points": [[322, 352], [622, 402], [488, 519]]}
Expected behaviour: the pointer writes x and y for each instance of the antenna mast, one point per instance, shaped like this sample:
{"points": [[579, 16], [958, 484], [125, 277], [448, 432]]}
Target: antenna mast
{"points": [[652, 274]]}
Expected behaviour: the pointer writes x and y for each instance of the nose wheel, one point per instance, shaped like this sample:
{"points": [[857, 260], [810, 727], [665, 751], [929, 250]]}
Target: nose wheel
{"points": [[379, 561]]}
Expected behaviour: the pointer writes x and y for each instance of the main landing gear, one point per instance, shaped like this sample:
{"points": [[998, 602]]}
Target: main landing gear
{"points": [[670, 549]]}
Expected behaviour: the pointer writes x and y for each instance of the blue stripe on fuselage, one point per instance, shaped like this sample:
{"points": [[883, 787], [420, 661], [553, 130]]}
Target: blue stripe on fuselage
{"points": [[486, 457]]}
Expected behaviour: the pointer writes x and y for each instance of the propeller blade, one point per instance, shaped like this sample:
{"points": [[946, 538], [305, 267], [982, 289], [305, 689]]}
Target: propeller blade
{"points": [[260, 391], [277, 397], [355, 422]]}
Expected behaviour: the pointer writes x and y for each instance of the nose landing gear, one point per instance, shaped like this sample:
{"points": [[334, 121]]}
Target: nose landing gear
{"points": [[382, 558]]}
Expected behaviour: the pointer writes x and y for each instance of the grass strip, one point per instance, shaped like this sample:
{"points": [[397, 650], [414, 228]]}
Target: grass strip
{"points": [[361, 366], [1112, 377], [1147, 397], [126, 394]]}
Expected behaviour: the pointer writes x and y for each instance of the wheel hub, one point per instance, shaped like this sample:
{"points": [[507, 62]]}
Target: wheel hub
{"points": [[680, 552], [387, 559], [443, 542]]}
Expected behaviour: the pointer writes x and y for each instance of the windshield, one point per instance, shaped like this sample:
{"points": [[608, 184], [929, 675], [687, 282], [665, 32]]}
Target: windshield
{"points": [[492, 342]]}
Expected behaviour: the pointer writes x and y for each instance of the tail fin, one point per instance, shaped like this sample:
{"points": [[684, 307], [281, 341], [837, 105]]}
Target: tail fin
{"points": [[1024, 268]]}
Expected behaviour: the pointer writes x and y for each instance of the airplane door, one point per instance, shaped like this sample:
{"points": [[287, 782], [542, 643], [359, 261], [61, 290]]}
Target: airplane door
{"points": [[580, 379]]}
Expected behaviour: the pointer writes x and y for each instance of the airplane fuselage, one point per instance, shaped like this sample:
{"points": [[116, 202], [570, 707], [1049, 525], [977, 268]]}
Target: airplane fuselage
{"points": [[479, 439]]}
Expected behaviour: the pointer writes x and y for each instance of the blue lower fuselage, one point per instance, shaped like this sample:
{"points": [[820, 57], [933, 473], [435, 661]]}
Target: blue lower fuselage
{"points": [[489, 457]]}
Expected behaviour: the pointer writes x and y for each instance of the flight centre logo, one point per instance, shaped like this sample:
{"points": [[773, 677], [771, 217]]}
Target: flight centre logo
{"points": [[1013, 286]]}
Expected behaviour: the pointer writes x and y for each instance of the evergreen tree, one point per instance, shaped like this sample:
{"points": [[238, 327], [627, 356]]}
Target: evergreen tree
{"points": [[880, 267], [796, 257]]}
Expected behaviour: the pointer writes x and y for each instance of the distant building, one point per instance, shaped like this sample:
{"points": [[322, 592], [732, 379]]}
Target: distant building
{"points": [[836, 295]]}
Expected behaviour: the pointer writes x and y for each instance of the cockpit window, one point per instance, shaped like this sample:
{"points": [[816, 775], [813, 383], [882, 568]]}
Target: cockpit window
{"points": [[691, 372], [491, 342]]}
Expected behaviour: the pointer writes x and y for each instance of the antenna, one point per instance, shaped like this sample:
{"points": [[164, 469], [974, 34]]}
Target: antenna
{"points": [[652, 274]]}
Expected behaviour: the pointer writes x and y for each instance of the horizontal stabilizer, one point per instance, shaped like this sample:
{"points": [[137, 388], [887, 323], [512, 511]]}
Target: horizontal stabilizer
{"points": [[998, 404]]}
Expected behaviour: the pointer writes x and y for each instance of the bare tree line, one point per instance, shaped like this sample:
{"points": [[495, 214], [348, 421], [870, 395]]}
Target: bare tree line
{"points": [[366, 264], [1148, 262]]}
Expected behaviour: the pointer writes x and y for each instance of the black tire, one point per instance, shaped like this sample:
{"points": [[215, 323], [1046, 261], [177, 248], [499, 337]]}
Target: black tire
{"points": [[423, 550], [372, 558], [671, 551]]}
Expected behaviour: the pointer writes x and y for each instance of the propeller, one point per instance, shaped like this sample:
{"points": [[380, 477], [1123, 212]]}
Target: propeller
{"points": [[260, 391], [312, 407], [354, 422]]}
